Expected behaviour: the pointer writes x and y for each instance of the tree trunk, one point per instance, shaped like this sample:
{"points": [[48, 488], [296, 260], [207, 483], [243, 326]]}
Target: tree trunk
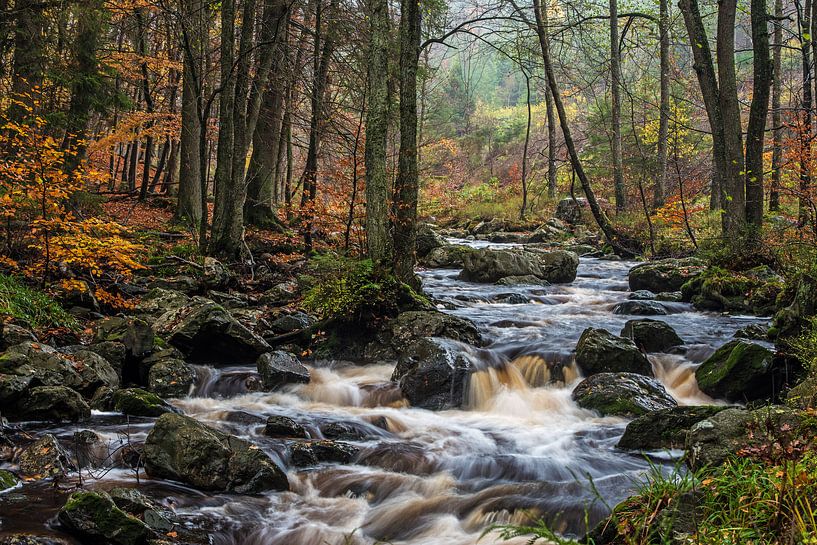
{"points": [[777, 118], [406, 187], [620, 244], [551, 121], [525, 150], [663, 123], [805, 118], [615, 92], [28, 62], [758, 111], [377, 122]]}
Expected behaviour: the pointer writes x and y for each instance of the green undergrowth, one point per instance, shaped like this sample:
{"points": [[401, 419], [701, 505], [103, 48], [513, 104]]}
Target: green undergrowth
{"points": [[32, 306], [745, 501], [356, 290]]}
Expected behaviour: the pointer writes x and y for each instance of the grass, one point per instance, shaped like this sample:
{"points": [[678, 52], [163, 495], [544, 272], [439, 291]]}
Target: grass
{"points": [[32, 306]]}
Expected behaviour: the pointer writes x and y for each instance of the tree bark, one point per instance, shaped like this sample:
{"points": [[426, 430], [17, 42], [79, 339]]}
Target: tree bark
{"points": [[663, 122], [551, 122], [777, 118], [378, 237], [615, 92]]}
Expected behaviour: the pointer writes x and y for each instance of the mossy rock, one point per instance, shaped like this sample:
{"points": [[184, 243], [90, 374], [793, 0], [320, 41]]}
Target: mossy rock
{"points": [[138, 402], [622, 394], [803, 395], [664, 428], [8, 480], [599, 351], [665, 274], [740, 371], [93, 517], [52, 403], [754, 291], [651, 335]]}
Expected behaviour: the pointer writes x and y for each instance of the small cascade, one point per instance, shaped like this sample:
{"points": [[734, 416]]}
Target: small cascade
{"points": [[677, 374]]}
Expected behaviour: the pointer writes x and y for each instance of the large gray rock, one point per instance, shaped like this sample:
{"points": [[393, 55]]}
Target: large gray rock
{"points": [[432, 374], [138, 402], [599, 351], [171, 377], [207, 332], [651, 335], [791, 320], [640, 308], [664, 428], [412, 325], [448, 256], [94, 518], [741, 371], [279, 368], [160, 300], [569, 210], [427, 240], [488, 265], [135, 334], [622, 394], [50, 403], [664, 274], [183, 449]]}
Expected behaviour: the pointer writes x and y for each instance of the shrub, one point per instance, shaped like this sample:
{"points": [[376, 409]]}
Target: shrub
{"points": [[32, 306]]}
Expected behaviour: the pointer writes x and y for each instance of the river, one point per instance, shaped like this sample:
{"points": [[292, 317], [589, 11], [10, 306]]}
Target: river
{"points": [[521, 451]]}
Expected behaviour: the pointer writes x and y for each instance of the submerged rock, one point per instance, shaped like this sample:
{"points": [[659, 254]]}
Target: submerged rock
{"points": [[664, 428], [93, 517], [740, 371], [622, 394], [489, 265], [310, 453], [640, 308], [665, 274], [279, 368], [599, 351], [138, 402], [283, 426], [432, 374], [641, 295], [651, 335], [183, 449]]}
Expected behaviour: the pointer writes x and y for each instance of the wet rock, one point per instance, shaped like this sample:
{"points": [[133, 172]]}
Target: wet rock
{"points": [[12, 388], [305, 454], [489, 265], [641, 295], [711, 441], [513, 299], [804, 394], [427, 240], [45, 458], [135, 503], [183, 449], [448, 256], [554, 229], [752, 332], [793, 319], [754, 291], [138, 402], [81, 370], [205, 331], [135, 334], [651, 335], [432, 374], [416, 324], [291, 322], [90, 449], [102, 399], [159, 301], [569, 210], [93, 517], [283, 426], [171, 377], [347, 431], [599, 351], [279, 368], [31, 539], [8, 480], [664, 428], [670, 296], [527, 280], [640, 308], [665, 274], [740, 371], [114, 352], [622, 394], [11, 334], [51, 403]]}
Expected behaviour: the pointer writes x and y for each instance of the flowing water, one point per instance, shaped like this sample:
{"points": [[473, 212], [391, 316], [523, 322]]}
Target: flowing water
{"points": [[520, 451]]}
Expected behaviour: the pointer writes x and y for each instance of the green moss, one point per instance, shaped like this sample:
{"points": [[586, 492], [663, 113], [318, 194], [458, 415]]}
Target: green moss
{"points": [[94, 515], [32, 306], [7, 480], [138, 402]]}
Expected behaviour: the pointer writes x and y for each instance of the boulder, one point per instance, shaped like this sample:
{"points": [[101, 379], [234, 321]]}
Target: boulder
{"points": [[31, 539], [171, 377], [527, 280], [159, 301], [11, 334], [664, 428], [138, 402], [93, 517], [640, 308], [90, 449], [804, 395], [651, 335], [427, 240], [279, 368], [182, 284], [50, 403], [488, 265], [280, 293], [412, 325], [793, 319], [670, 296], [569, 210], [641, 295], [114, 352], [432, 374], [45, 458], [448, 256], [215, 274], [754, 291], [135, 334], [547, 233], [206, 332], [761, 432], [283, 426], [291, 322], [310, 453], [8, 480], [622, 394], [153, 514], [740, 371], [183, 449], [664, 274], [599, 351], [753, 332]]}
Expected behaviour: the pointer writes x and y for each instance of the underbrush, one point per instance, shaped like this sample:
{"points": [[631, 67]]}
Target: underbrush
{"points": [[743, 502], [32, 306]]}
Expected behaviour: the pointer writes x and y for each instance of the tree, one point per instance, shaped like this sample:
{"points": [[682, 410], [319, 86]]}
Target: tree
{"points": [[663, 124], [615, 93]]}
